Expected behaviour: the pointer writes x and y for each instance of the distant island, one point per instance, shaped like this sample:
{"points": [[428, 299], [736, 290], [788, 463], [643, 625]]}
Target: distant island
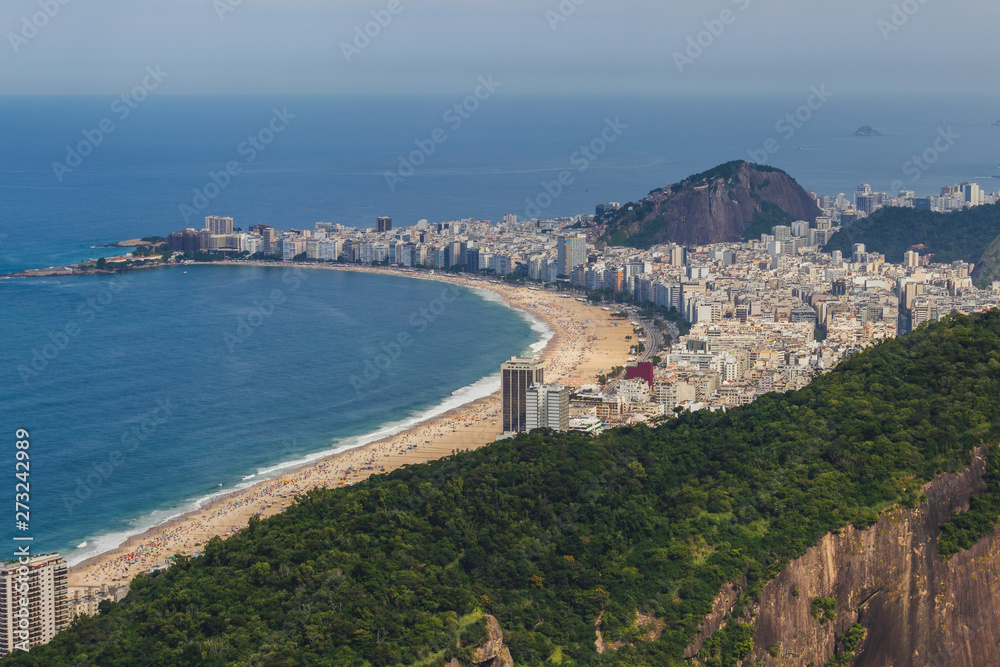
{"points": [[868, 131], [996, 124]]}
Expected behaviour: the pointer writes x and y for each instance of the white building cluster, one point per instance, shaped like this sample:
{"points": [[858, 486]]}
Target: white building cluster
{"points": [[765, 315]]}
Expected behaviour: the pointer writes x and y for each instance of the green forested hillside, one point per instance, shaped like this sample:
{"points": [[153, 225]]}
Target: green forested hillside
{"points": [[548, 532], [962, 235]]}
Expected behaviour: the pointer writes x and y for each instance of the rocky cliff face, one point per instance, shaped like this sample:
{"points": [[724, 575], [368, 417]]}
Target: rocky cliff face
{"points": [[493, 652], [717, 206], [915, 610]]}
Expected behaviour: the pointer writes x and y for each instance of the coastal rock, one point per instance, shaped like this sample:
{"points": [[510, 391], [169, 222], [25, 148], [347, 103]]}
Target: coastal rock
{"points": [[868, 131], [915, 609], [717, 206]]}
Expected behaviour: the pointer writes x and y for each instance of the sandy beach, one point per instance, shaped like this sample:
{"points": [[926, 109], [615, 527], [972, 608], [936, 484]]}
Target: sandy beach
{"points": [[585, 341]]}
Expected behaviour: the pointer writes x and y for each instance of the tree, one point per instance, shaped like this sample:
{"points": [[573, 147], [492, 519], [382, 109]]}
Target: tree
{"points": [[102, 263]]}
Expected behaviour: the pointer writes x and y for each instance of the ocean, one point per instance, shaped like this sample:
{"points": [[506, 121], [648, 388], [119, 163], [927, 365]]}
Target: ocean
{"points": [[147, 393], [173, 386]]}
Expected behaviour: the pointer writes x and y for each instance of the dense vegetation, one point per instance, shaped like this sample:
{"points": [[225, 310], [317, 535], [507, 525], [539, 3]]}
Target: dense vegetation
{"points": [[628, 214], [769, 216], [726, 171], [823, 609], [967, 528], [962, 235], [988, 266], [550, 531]]}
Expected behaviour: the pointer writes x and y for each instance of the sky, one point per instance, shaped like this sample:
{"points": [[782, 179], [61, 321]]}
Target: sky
{"points": [[532, 46]]}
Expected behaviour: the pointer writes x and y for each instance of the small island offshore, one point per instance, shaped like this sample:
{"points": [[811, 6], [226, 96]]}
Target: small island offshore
{"points": [[869, 131]]}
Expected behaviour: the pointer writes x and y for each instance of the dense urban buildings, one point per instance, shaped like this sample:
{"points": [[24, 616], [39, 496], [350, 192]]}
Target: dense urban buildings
{"points": [[219, 225], [764, 315], [32, 602]]}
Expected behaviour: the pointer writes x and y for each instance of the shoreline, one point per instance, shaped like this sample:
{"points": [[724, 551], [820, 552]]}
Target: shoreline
{"points": [[380, 433], [425, 440], [258, 479]]}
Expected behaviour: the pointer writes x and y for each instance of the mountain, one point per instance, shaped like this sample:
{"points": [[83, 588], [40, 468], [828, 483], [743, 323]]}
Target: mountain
{"points": [[964, 235], [988, 267], [733, 202], [893, 600], [717, 536]]}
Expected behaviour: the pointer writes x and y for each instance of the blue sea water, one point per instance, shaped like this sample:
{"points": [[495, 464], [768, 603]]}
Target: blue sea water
{"points": [[329, 164], [285, 391], [144, 394]]}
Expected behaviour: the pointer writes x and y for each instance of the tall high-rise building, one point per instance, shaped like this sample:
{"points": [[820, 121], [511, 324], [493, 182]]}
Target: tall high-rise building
{"points": [[383, 225], [516, 377], [41, 604], [970, 193], [547, 407], [911, 259], [572, 253], [678, 255], [219, 225]]}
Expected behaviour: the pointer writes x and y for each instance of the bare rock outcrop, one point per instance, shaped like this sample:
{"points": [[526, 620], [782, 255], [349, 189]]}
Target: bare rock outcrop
{"points": [[492, 652], [915, 609], [716, 206]]}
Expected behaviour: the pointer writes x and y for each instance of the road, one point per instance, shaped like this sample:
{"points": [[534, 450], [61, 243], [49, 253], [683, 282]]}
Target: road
{"points": [[654, 338]]}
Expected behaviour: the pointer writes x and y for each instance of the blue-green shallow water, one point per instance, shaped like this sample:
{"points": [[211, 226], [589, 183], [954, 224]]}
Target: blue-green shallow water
{"points": [[171, 384]]}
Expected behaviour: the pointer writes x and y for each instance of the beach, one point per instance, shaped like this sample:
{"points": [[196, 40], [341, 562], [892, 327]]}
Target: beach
{"points": [[584, 342]]}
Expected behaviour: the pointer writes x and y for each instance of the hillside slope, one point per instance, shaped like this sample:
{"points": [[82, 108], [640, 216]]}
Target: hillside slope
{"points": [[889, 585], [988, 267], [560, 536], [962, 235], [719, 205]]}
